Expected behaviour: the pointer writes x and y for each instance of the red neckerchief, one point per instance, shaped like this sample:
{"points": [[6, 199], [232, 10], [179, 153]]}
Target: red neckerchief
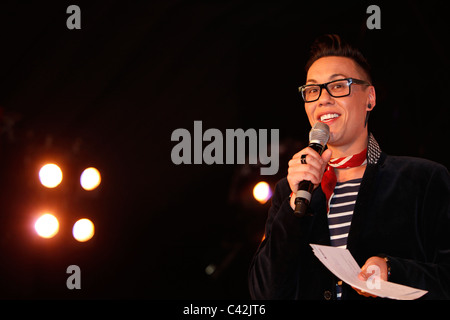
{"points": [[329, 177]]}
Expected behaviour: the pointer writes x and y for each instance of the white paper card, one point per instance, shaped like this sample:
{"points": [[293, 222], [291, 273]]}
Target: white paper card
{"points": [[343, 265]]}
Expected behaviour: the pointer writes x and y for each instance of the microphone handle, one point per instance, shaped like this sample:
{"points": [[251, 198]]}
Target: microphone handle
{"points": [[317, 147], [305, 188]]}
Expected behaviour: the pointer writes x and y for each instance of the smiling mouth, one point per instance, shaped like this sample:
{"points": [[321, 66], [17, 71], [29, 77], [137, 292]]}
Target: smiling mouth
{"points": [[329, 117]]}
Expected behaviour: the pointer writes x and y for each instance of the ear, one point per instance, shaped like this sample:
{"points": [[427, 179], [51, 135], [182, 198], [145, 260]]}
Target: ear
{"points": [[371, 98]]}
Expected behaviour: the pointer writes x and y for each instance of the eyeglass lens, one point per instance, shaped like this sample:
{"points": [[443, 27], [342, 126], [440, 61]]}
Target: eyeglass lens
{"points": [[338, 88]]}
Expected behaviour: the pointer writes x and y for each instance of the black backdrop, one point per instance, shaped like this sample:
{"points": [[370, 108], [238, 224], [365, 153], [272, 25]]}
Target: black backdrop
{"points": [[111, 94]]}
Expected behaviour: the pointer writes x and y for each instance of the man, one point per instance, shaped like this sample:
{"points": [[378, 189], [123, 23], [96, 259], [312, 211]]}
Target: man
{"points": [[392, 213]]}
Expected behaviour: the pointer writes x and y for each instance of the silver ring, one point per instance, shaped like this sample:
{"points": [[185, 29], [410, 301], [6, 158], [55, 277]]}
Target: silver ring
{"points": [[303, 158]]}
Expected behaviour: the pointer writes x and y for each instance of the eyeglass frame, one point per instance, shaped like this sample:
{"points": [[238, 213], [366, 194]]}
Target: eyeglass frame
{"points": [[322, 86]]}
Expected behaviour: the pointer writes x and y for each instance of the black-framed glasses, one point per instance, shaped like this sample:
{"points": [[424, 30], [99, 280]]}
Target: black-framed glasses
{"points": [[336, 88]]}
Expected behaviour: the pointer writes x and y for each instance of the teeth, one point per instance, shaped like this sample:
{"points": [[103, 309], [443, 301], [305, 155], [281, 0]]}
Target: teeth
{"points": [[329, 116]]}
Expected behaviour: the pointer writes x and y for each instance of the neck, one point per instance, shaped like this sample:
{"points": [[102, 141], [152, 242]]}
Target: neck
{"points": [[343, 175], [346, 150]]}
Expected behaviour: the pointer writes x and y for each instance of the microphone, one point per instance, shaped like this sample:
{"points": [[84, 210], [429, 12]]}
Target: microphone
{"points": [[318, 138]]}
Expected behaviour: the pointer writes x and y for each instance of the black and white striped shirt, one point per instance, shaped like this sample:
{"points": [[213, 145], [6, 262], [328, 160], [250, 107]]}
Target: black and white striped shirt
{"points": [[342, 203]]}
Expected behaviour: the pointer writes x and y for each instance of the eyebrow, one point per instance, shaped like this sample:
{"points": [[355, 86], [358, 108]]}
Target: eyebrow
{"points": [[330, 78]]}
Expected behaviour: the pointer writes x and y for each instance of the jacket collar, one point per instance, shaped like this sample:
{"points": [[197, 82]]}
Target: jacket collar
{"points": [[373, 150]]}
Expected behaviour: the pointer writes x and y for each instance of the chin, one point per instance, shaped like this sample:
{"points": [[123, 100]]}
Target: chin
{"points": [[335, 138]]}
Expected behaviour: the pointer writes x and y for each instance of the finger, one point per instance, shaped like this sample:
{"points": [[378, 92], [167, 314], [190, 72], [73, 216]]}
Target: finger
{"points": [[298, 172], [310, 152], [311, 171], [314, 154], [296, 168], [363, 293], [375, 266], [362, 276], [295, 177], [310, 160], [311, 157], [326, 155]]}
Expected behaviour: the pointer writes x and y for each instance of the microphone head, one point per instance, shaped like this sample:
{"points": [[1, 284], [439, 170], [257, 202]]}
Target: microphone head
{"points": [[320, 133]]}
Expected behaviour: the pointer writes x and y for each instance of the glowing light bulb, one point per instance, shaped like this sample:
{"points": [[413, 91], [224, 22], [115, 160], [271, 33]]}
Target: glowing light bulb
{"points": [[83, 230], [47, 226], [50, 175], [90, 179], [262, 192]]}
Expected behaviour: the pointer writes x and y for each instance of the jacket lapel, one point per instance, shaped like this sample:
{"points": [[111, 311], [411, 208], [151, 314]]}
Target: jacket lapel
{"points": [[375, 158]]}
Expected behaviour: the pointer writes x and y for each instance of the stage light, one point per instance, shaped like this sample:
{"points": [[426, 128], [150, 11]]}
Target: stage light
{"points": [[47, 225], [83, 230], [50, 175], [210, 269], [262, 192], [90, 179]]}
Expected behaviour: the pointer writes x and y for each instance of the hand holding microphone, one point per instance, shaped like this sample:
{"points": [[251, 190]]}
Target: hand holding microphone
{"points": [[306, 168]]}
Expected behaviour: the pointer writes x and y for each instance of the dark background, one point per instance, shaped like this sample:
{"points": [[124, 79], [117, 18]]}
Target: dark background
{"points": [[111, 94]]}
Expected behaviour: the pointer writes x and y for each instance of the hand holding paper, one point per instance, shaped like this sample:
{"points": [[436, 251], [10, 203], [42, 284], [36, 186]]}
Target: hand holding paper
{"points": [[373, 269], [343, 265]]}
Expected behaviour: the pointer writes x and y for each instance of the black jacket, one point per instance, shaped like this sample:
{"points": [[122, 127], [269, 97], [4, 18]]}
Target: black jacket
{"points": [[402, 211]]}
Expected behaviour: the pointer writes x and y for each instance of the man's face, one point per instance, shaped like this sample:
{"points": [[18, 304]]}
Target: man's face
{"points": [[345, 115]]}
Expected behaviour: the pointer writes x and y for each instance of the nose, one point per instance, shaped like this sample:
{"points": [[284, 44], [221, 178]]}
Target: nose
{"points": [[325, 98]]}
